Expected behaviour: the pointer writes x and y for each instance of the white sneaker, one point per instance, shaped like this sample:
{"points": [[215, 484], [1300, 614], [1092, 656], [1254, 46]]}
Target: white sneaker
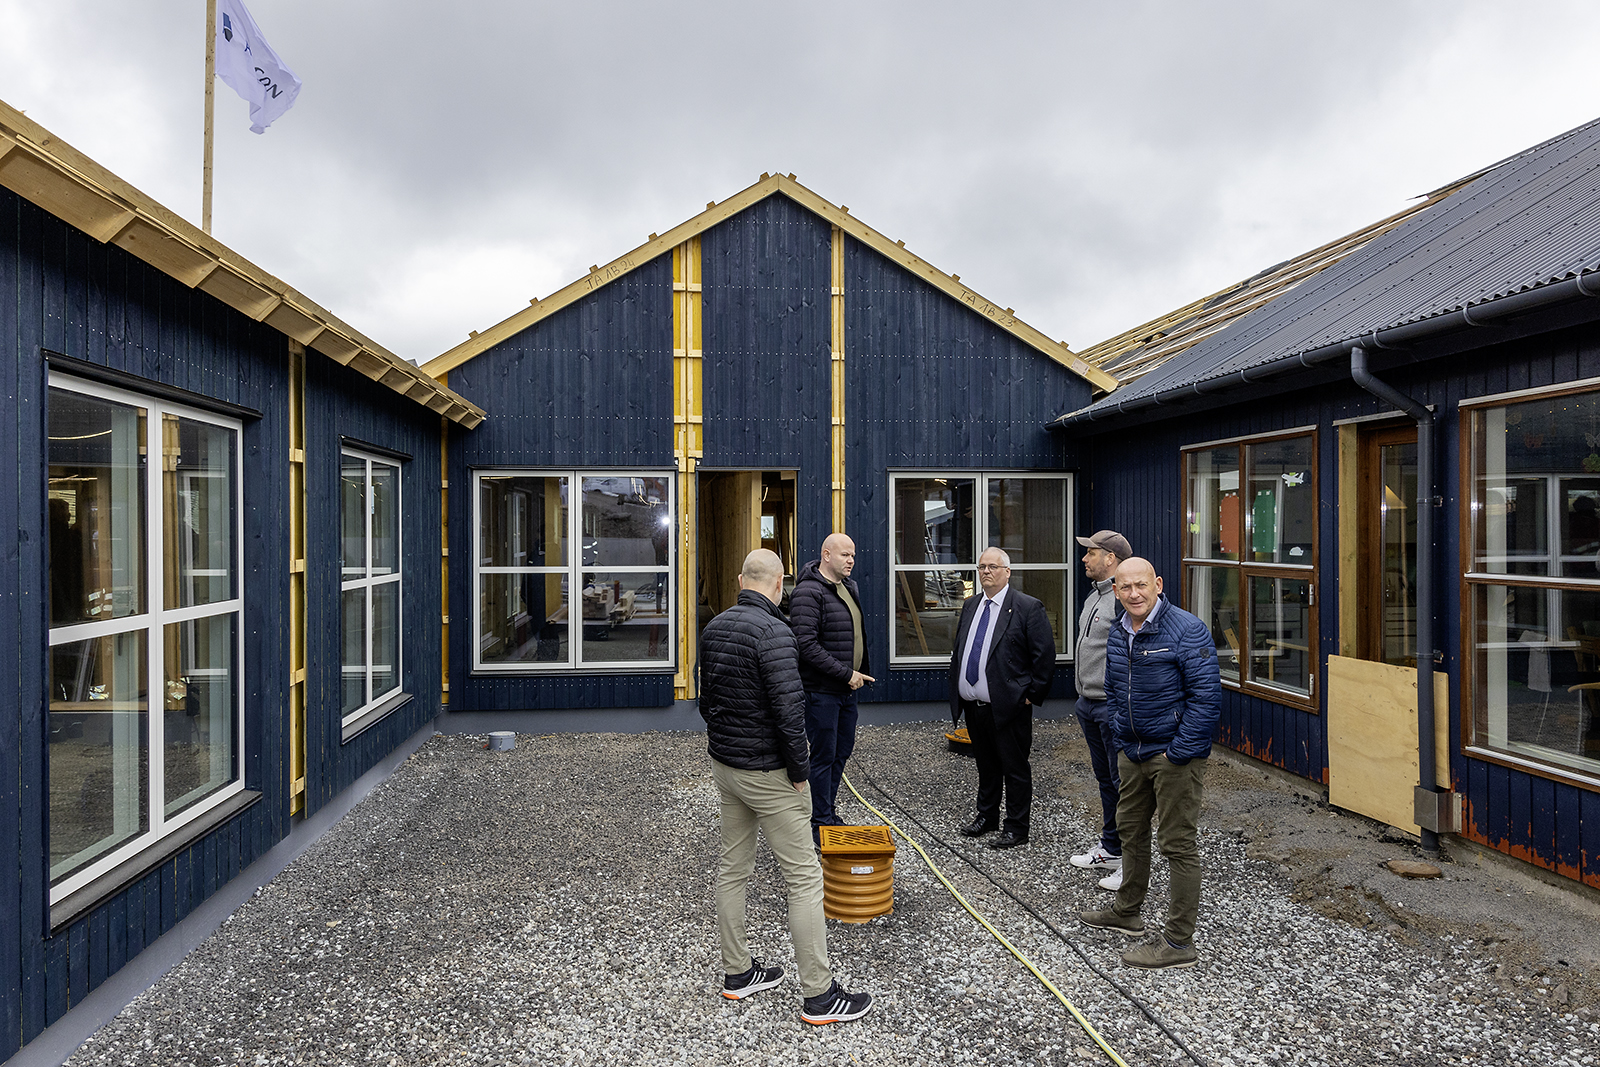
{"points": [[1098, 859], [1112, 881]]}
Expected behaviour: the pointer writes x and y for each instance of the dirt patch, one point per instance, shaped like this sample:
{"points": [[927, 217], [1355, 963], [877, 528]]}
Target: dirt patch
{"points": [[1535, 934]]}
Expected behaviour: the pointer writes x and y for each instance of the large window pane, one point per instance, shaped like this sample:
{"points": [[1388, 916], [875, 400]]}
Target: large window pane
{"points": [[99, 748], [1282, 504], [927, 609], [1538, 684], [385, 519], [1028, 518], [353, 646], [385, 639], [522, 521], [1214, 520], [627, 522], [934, 523], [1214, 596], [200, 708], [1280, 627], [1580, 527], [1050, 587], [197, 484], [614, 629], [352, 517], [97, 509], [523, 618]]}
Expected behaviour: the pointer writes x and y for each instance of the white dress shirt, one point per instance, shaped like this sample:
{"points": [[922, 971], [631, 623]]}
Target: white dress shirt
{"points": [[980, 692]]}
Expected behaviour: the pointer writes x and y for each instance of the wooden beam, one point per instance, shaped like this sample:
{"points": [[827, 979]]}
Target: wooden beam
{"points": [[239, 292], [688, 448], [837, 378]]}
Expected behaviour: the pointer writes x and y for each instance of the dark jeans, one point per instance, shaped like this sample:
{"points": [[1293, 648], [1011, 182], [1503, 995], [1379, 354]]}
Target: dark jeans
{"points": [[831, 730], [1001, 753], [1095, 718]]}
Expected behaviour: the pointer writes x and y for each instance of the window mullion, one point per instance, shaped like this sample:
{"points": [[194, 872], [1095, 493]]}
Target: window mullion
{"points": [[155, 640]]}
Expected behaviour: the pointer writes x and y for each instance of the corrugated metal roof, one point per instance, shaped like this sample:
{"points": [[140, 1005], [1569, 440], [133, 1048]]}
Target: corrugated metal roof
{"points": [[1526, 222]]}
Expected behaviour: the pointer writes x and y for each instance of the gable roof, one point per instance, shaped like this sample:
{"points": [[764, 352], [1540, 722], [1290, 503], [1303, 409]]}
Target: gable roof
{"points": [[45, 170], [768, 185], [1520, 234]]}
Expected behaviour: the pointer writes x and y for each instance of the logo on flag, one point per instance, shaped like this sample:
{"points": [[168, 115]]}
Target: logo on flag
{"points": [[249, 66]]}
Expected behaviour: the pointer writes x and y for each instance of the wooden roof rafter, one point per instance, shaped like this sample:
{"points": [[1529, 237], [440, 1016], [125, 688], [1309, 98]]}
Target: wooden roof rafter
{"points": [[1134, 352], [769, 185], [46, 171]]}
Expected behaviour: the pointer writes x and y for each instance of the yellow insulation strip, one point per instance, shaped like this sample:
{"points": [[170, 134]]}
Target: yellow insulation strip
{"points": [[1088, 1027]]}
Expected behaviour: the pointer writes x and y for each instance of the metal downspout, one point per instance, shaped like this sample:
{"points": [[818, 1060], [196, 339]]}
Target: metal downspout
{"points": [[1427, 781]]}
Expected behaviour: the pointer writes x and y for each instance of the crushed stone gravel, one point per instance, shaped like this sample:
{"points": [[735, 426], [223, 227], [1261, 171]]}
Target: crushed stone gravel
{"points": [[554, 905]]}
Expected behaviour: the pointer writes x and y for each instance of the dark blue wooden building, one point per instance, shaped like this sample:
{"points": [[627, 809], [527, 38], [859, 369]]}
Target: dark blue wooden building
{"points": [[763, 374], [1386, 480], [223, 500]]}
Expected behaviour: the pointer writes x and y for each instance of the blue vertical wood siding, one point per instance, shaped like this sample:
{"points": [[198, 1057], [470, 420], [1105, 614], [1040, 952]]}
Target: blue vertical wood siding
{"points": [[589, 386], [63, 292], [767, 353], [932, 385], [1137, 489], [341, 404]]}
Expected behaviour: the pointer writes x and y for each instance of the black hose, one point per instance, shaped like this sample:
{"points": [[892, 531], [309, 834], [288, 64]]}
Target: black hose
{"points": [[1074, 943]]}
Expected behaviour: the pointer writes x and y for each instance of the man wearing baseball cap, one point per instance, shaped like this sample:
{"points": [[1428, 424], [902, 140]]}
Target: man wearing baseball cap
{"points": [[1104, 550]]}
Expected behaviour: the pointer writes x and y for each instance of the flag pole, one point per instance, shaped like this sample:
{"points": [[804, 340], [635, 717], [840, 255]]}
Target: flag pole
{"points": [[211, 81]]}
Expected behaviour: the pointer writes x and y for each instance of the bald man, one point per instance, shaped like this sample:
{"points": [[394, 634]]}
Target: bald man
{"points": [[825, 612], [754, 707], [1165, 688]]}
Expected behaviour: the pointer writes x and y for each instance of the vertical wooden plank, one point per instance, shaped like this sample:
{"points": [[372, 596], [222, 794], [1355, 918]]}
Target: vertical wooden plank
{"points": [[1568, 818], [1589, 837], [99, 946], [77, 938], [1518, 816], [11, 914], [56, 979], [1541, 820], [116, 933]]}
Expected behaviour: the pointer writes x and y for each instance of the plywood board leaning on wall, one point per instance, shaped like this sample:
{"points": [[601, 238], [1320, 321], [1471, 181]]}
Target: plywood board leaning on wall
{"points": [[1372, 738]]}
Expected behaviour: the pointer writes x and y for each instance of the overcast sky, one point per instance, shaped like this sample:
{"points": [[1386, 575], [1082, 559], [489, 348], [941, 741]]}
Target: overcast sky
{"points": [[1091, 165]]}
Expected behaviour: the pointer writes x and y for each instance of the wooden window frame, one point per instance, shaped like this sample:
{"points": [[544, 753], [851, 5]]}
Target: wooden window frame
{"points": [[1248, 570]]}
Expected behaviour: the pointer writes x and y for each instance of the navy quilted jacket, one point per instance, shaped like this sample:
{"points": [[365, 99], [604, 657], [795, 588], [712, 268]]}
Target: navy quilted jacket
{"points": [[750, 693], [1165, 686]]}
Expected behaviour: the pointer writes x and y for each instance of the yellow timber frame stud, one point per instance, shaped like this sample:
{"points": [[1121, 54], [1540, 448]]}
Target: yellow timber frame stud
{"points": [[836, 303], [688, 446], [297, 578], [444, 557]]}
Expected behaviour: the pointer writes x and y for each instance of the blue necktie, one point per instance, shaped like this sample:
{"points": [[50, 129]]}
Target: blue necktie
{"points": [[977, 644]]}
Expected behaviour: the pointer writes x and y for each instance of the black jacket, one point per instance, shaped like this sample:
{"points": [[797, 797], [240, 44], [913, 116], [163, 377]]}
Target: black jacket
{"points": [[823, 631], [1022, 656], [750, 693]]}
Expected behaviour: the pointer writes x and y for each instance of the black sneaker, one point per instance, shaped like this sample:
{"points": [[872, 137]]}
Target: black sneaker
{"points": [[757, 978], [835, 1006]]}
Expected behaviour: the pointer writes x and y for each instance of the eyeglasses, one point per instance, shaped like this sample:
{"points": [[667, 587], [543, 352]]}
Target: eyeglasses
{"points": [[993, 567]]}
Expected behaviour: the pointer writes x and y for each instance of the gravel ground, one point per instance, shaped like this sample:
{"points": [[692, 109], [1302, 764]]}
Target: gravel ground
{"points": [[553, 905]]}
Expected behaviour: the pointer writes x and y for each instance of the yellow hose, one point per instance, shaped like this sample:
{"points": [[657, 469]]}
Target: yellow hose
{"points": [[1088, 1028]]}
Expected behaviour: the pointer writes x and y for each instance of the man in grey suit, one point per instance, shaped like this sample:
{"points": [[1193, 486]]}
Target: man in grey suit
{"points": [[1000, 670]]}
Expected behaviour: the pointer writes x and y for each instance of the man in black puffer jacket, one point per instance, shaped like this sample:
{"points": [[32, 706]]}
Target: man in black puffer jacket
{"points": [[754, 707], [825, 611]]}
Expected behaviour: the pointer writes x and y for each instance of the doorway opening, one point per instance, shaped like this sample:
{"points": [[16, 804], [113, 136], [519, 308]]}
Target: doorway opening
{"points": [[740, 511], [1387, 623]]}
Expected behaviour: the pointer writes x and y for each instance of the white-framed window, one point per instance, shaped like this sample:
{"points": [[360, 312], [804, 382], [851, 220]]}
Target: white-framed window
{"points": [[1532, 583], [146, 607], [573, 570], [1250, 559], [369, 582], [940, 522]]}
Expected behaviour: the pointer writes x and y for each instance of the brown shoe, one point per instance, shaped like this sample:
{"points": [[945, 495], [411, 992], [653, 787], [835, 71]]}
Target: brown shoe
{"points": [[1159, 955], [1108, 919]]}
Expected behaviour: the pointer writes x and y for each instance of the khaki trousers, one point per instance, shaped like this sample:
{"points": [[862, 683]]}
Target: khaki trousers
{"points": [[766, 800], [1171, 793]]}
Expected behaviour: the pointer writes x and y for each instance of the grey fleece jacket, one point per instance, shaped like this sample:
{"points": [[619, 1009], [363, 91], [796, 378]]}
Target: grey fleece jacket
{"points": [[1094, 626]]}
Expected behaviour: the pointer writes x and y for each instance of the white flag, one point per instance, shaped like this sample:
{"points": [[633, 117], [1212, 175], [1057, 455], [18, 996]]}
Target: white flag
{"points": [[251, 68]]}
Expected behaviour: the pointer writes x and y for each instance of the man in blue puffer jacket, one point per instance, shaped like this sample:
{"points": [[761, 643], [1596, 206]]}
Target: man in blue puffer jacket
{"points": [[1163, 681]]}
